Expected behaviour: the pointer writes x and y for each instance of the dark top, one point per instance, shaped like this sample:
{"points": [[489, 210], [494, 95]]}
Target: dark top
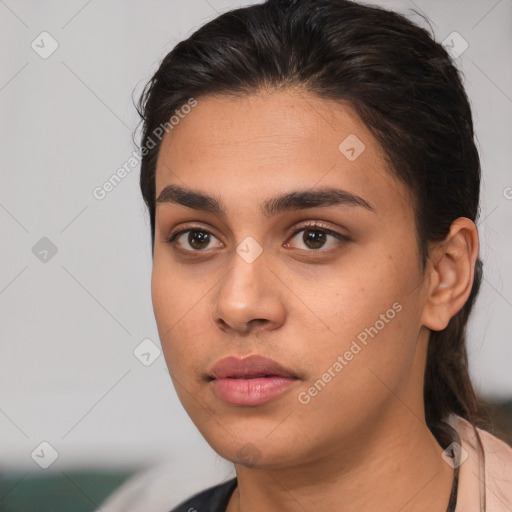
{"points": [[213, 499]]}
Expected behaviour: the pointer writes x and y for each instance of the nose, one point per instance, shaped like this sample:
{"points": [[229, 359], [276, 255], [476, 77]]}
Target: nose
{"points": [[249, 298]]}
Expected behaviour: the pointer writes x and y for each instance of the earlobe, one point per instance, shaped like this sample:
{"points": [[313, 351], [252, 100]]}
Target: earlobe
{"points": [[452, 268]]}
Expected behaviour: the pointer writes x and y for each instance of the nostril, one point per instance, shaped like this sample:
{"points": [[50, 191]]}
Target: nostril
{"points": [[259, 321]]}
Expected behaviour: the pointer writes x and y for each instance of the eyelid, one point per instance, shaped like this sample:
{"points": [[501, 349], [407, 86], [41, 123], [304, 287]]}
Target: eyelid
{"points": [[321, 226], [185, 229], [188, 227]]}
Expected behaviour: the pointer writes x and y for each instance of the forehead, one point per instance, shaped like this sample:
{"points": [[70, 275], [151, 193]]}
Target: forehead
{"points": [[273, 142]]}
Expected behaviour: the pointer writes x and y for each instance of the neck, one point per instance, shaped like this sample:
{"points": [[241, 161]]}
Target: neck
{"points": [[396, 465]]}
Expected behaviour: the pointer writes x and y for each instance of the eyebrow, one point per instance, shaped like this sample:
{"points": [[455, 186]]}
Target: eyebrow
{"points": [[295, 200]]}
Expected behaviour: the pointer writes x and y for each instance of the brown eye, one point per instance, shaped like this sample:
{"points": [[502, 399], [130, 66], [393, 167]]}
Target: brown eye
{"points": [[314, 238], [198, 239], [193, 240]]}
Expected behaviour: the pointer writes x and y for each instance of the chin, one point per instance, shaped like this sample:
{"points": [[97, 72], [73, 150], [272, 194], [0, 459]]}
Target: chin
{"points": [[255, 454]]}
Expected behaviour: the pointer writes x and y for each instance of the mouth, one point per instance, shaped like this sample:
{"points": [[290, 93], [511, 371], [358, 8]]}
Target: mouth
{"points": [[251, 367], [250, 381]]}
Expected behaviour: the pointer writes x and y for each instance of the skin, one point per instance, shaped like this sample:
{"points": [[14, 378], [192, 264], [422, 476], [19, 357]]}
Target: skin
{"points": [[361, 444]]}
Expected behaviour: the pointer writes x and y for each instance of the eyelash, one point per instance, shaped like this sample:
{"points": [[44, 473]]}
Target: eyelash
{"points": [[311, 226]]}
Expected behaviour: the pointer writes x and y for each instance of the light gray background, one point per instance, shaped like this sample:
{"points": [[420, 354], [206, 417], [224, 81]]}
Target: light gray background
{"points": [[68, 327]]}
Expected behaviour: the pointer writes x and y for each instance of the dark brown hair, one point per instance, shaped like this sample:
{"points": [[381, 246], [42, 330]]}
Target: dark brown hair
{"points": [[404, 87]]}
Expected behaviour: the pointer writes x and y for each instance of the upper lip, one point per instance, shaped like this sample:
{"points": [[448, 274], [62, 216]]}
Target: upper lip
{"points": [[251, 366]]}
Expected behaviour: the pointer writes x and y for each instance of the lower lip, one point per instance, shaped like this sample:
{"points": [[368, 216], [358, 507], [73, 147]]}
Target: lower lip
{"points": [[250, 391]]}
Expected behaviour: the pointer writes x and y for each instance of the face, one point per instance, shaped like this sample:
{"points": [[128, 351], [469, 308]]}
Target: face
{"points": [[303, 251]]}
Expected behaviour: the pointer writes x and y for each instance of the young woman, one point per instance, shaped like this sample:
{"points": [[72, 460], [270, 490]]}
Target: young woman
{"points": [[312, 182]]}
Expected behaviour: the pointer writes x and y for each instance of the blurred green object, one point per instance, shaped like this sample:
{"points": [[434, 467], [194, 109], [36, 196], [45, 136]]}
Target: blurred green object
{"points": [[66, 491]]}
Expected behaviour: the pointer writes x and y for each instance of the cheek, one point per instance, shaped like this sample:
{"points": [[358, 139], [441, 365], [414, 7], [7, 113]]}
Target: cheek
{"points": [[363, 363], [181, 309], [372, 315], [172, 303]]}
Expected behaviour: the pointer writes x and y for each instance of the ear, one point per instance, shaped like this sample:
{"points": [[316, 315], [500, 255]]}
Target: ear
{"points": [[450, 272]]}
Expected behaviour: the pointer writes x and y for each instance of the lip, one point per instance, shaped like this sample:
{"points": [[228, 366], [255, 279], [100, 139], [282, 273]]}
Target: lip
{"points": [[250, 381], [251, 366]]}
